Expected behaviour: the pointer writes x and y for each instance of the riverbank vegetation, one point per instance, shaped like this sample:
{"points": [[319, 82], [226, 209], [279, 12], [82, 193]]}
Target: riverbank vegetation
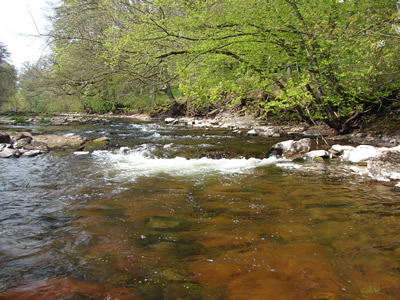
{"points": [[337, 61]]}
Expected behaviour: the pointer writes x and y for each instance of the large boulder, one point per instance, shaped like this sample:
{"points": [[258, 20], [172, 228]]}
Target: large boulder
{"points": [[360, 153], [291, 148], [4, 138], [386, 165], [65, 142], [7, 152]]}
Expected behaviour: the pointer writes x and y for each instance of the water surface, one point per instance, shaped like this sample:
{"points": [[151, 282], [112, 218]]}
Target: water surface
{"points": [[156, 217]]}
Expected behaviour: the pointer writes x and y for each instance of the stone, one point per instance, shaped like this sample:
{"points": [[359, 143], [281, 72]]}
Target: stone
{"points": [[7, 152], [360, 153], [65, 142], [386, 165], [97, 144], [323, 154], [291, 148], [102, 139], [34, 145], [31, 153], [5, 138], [171, 120], [252, 132], [22, 142], [159, 222]]}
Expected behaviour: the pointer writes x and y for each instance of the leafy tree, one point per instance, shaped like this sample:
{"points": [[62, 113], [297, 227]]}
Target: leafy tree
{"points": [[334, 60], [8, 76]]}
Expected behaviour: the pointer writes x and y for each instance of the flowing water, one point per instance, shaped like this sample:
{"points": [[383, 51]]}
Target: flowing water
{"points": [[156, 217]]}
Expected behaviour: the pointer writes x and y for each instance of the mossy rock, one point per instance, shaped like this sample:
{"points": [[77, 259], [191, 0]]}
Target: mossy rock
{"points": [[98, 144]]}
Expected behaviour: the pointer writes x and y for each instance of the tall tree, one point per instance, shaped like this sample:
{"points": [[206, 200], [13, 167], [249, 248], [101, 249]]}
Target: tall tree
{"points": [[8, 76]]}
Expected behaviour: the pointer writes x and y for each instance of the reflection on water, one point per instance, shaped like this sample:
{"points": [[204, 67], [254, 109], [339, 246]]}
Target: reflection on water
{"points": [[153, 219]]}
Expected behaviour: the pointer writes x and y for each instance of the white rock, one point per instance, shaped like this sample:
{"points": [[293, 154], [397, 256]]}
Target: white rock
{"points": [[7, 152], [317, 153], [360, 153], [252, 132], [171, 121], [31, 153], [340, 148]]}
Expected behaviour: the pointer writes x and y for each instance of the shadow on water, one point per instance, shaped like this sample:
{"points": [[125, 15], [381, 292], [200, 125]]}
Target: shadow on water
{"points": [[156, 219]]}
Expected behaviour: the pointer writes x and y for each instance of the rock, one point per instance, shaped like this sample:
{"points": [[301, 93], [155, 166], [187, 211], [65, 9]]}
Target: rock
{"points": [[102, 140], [360, 153], [171, 120], [7, 152], [337, 150], [159, 222], [65, 142], [252, 132], [34, 145], [97, 144], [22, 142], [31, 153], [317, 153], [386, 165], [5, 138], [291, 148]]}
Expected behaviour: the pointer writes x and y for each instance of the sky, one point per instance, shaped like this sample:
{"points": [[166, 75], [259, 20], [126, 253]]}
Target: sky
{"points": [[18, 31]]}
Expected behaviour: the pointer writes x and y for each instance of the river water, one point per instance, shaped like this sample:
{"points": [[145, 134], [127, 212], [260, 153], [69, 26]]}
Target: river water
{"points": [[156, 217]]}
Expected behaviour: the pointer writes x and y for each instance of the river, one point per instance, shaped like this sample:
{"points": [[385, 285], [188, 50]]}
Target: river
{"points": [[156, 217]]}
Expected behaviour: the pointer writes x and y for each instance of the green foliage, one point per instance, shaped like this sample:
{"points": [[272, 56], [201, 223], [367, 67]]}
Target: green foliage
{"points": [[8, 77], [328, 60], [44, 121], [19, 119]]}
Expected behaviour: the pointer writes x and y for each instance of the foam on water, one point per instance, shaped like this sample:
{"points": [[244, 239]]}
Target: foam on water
{"points": [[128, 164]]}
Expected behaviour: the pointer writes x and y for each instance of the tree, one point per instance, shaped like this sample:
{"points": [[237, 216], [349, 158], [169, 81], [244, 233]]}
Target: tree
{"points": [[333, 60], [8, 76]]}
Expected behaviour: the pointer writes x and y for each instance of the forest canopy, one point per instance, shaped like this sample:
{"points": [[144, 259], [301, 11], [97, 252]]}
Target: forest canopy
{"points": [[334, 61]]}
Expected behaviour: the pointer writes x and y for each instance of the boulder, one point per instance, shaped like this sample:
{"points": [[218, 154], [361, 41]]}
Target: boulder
{"points": [[31, 153], [312, 155], [97, 144], [386, 165], [5, 138], [22, 142], [291, 148], [337, 150], [252, 132], [65, 142], [7, 152], [171, 121], [360, 153], [34, 145]]}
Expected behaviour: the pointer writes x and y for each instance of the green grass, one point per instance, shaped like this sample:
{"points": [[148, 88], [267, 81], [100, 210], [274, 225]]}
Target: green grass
{"points": [[44, 121], [19, 119]]}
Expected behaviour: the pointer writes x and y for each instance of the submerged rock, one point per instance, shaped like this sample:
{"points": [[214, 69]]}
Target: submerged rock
{"points": [[97, 144], [160, 222], [291, 148]]}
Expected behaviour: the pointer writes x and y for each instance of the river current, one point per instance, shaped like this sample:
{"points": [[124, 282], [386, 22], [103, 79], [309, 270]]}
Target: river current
{"points": [[156, 216]]}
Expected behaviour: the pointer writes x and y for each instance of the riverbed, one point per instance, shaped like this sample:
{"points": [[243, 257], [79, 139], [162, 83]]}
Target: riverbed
{"points": [[157, 216]]}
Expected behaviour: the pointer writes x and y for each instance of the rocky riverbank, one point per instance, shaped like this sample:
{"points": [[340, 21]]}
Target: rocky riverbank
{"points": [[247, 125], [374, 156], [23, 144]]}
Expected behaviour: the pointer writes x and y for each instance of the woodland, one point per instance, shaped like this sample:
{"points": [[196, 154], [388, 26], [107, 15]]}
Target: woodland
{"points": [[333, 61]]}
